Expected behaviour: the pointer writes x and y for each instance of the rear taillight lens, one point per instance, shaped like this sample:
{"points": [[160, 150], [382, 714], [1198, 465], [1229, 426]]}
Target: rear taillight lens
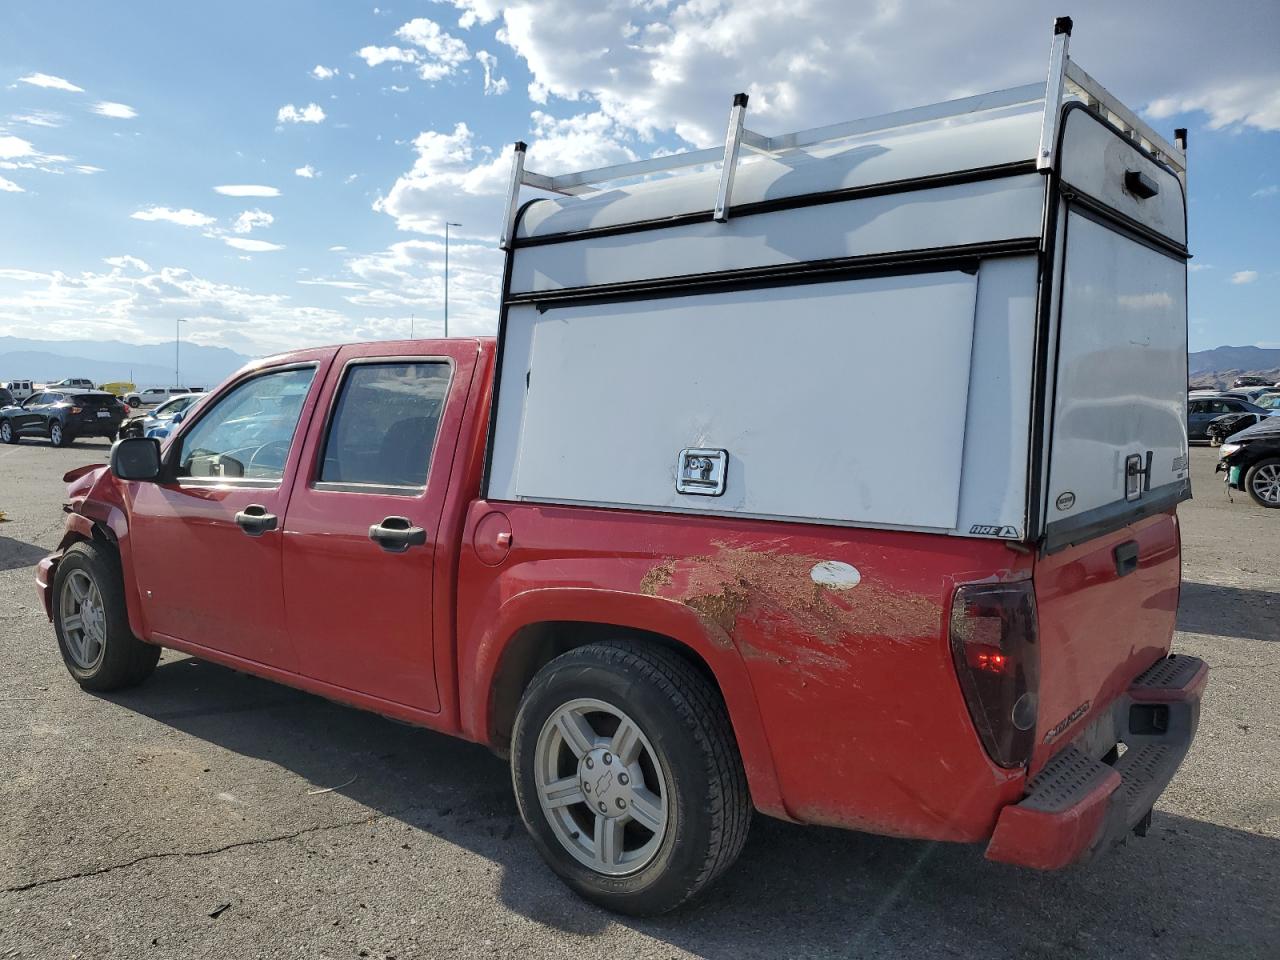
{"points": [[997, 657], [77, 409]]}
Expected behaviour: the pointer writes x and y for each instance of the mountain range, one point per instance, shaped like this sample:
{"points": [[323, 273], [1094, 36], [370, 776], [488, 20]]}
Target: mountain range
{"points": [[104, 361], [1219, 366]]}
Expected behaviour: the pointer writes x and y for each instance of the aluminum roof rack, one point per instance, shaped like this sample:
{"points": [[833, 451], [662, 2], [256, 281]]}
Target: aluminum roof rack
{"points": [[1065, 79]]}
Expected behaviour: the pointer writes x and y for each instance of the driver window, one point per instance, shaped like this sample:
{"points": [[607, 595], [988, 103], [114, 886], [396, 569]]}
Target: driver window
{"points": [[248, 432]]}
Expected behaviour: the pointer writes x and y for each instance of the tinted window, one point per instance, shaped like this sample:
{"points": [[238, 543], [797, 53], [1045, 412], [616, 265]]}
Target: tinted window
{"points": [[384, 424], [1195, 406], [248, 432]]}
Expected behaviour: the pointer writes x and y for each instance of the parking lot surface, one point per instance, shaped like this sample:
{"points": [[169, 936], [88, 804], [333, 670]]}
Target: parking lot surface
{"points": [[210, 814]]}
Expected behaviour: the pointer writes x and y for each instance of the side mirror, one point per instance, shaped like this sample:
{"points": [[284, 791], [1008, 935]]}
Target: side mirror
{"points": [[177, 418], [136, 458]]}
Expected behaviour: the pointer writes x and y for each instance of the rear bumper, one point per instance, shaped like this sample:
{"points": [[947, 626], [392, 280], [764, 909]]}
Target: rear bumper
{"points": [[1076, 806]]}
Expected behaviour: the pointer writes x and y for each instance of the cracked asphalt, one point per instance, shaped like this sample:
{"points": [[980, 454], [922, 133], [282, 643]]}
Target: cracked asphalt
{"points": [[211, 814]]}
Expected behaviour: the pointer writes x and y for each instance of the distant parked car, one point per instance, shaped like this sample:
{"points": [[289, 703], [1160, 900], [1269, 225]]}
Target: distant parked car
{"points": [[153, 396], [62, 416], [1201, 411], [6, 398], [158, 422], [1251, 382], [71, 383], [1251, 460], [21, 389]]}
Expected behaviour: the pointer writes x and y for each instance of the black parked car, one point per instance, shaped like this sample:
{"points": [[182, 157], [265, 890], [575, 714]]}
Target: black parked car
{"points": [[6, 398], [1251, 459], [62, 416]]}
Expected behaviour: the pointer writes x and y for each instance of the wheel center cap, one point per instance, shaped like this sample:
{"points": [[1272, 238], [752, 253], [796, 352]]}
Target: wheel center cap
{"points": [[605, 782]]}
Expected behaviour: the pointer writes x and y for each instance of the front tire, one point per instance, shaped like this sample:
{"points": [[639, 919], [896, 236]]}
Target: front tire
{"points": [[628, 776], [91, 622], [7, 433], [1263, 482]]}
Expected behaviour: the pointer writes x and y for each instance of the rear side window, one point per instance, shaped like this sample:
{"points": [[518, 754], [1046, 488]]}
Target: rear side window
{"points": [[247, 433], [384, 425]]}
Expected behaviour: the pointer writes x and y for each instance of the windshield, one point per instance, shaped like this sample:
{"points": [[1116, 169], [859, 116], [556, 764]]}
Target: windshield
{"points": [[1270, 402]]}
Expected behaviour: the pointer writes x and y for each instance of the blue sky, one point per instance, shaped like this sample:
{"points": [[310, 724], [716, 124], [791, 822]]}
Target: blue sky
{"points": [[114, 226]]}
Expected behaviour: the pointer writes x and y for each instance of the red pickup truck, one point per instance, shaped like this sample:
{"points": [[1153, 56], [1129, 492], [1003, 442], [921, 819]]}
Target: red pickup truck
{"points": [[653, 677], [650, 544]]}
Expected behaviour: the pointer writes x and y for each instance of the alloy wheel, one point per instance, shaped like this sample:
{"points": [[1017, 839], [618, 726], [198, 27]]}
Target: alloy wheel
{"points": [[1266, 483], [601, 787], [55, 435], [6, 431], [83, 619]]}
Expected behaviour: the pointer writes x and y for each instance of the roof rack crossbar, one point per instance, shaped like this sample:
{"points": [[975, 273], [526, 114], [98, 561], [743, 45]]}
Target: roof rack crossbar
{"points": [[1065, 79]]}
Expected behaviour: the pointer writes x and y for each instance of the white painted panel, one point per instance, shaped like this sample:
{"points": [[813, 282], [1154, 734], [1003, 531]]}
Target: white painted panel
{"points": [[993, 488], [1122, 368], [1095, 160], [928, 150], [991, 210], [802, 385]]}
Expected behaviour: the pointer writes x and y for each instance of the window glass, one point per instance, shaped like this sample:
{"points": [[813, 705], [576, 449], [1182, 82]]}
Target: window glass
{"points": [[384, 424], [248, 432], [1196, 406]]}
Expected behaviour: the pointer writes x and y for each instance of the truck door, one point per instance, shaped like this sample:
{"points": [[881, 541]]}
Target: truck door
{"points": [[360, 537], [206, 544]]}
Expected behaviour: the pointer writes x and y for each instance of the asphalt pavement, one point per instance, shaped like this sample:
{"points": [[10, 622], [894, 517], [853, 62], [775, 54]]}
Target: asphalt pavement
{"points": [[211, 814]]}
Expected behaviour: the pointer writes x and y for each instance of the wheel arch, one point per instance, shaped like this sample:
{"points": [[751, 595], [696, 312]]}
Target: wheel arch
{"points": [[535, 627]]}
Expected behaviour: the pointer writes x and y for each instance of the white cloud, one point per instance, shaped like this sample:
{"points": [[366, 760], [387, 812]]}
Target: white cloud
{"points": [[658, 66], [86, 168], [250, 219], [40, 118], [336, 249], [435, 53], [453, 178], [118, 111], [442, 53], [307, 171], [324, 73], [493, 84], [126, 262], [12, 147], [311, 113], [51, 82], [186, 217], [1267, 191], [246, 190], [375, 56], [1244, 276], [8, 186], [253, 246], [1197, 267]]}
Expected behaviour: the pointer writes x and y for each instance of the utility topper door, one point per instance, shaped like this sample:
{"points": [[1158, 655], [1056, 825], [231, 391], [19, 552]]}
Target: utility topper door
{"points": [[839, 401]]}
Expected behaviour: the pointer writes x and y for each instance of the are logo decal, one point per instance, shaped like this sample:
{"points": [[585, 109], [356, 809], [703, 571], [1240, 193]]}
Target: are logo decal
{"points": [[1066, 500], [1071, 718], [993, 530]]}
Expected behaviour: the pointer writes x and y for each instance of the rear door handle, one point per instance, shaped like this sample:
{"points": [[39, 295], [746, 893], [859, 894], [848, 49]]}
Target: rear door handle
{"points": [[255, 521], [397, 534]]}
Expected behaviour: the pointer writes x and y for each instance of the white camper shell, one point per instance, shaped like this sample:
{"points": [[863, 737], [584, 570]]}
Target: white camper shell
{"points": [[732, 340]]}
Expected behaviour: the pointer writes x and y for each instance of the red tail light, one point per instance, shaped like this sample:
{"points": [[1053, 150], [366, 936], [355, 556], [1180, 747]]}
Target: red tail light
{"points": [[997, 657]]}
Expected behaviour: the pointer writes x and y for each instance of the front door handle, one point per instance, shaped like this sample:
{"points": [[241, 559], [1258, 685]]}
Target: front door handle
{"points": [[397, 534], [255, 521]]}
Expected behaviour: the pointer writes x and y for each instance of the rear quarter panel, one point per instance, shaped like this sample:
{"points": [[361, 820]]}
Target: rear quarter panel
{"points": [[844, 701]]}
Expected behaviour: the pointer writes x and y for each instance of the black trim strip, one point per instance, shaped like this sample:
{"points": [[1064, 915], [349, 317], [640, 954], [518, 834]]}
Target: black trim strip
{"points": [[1100, 213], [973, 175], [508, 263], [964, 257], [1114, 516]]}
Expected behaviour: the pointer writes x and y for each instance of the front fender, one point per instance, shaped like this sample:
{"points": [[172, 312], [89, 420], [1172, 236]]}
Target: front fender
{"points": [[481, 663]]}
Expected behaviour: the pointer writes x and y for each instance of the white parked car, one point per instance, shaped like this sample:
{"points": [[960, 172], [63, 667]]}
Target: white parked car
{"points": [[155, 395]]}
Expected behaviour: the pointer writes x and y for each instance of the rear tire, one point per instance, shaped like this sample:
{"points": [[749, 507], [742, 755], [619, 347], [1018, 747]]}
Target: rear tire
{"points": [[7, 433], [91, 622], [674, 795], [1262, 481], [59, 436]]}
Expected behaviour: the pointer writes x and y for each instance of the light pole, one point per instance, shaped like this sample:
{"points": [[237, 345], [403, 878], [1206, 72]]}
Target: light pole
{"points": [[447, 225], [411, 326], [177, 341]]}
